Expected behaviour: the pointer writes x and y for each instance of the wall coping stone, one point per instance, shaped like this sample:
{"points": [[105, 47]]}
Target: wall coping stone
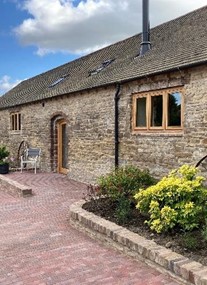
{"points": [[14, 188], [165, 260]]}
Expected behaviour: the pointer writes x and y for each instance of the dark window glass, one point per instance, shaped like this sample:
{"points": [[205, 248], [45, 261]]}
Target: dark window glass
{"points": [[19, 125], [141, 120], [15, 122], [174, 109], [12, 117], [64, 147], [57, 81], [103, 65], [156, 111]]}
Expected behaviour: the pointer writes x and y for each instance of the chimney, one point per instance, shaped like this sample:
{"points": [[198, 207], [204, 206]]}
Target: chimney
{"points": [[145, 45]]}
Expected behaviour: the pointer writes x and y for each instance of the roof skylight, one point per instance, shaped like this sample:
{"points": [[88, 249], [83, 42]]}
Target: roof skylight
{"points": [[103, 65], [60, 79]]}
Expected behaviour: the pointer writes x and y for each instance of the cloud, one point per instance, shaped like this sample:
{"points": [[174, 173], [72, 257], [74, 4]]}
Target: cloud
{"points": [[83, 26], [6, 84]]}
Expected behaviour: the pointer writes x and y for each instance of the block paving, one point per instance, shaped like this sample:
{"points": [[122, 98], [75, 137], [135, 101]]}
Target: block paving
{"points": [[38, 246]]}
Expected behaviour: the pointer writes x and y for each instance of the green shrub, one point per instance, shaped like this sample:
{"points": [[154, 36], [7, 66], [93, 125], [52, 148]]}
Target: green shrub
{"points": [[124, 182], [4, 153], [123, 210], [180, 199]]}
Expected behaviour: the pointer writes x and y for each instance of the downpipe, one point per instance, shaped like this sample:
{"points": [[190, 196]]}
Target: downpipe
{"points": [[116, 125]]}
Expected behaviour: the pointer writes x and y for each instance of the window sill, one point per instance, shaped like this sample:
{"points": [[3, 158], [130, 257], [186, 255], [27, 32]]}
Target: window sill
{"points": [[159, 133], [15, 132]]}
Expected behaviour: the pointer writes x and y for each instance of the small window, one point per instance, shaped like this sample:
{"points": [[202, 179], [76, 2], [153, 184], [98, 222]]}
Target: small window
{"points": [[60, 79], [103, 65], [15, 120], [57, 81], [158, 110]]}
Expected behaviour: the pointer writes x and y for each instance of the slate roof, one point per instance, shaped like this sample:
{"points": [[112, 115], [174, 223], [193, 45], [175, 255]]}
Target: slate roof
{"points": [[175, 44]]}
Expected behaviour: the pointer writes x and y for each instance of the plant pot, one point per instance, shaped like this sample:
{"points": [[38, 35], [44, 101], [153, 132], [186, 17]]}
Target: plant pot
{"points": [[4, 168]]}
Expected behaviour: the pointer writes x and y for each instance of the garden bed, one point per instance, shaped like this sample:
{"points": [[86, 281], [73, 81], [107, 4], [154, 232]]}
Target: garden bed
{"points": [[190, 245]]}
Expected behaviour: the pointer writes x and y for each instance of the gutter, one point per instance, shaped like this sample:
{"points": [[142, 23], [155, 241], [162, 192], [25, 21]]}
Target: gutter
{"points": [[116, 125]]}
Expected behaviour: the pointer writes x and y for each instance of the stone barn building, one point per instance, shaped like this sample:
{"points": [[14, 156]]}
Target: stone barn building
{"points": [[118, 105]]}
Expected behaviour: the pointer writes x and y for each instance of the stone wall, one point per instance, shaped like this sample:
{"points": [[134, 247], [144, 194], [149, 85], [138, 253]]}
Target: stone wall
{"points": [[160, 152], [90, 126]]}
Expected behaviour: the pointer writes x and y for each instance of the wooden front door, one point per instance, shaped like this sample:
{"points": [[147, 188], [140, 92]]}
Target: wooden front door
{"points": [[62, 147]]}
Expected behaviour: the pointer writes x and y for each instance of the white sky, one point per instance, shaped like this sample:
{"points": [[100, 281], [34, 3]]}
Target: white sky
{"points": [[75, 27], [84, 26], [7, 84]]}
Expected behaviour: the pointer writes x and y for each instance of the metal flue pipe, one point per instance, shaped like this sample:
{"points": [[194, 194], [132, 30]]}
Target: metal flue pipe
{"points": [[145, 45]]}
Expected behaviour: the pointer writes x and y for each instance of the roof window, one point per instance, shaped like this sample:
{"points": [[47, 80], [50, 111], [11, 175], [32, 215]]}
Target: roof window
{"points": [[60, 79], [103, 65]]}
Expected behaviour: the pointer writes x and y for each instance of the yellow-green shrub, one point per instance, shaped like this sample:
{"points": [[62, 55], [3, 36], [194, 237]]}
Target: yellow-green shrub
{"points": [[179, 199]]}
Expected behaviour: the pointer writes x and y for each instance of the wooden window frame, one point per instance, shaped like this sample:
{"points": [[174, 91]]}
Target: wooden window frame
{"points": [[148, 95], [15, 121]]}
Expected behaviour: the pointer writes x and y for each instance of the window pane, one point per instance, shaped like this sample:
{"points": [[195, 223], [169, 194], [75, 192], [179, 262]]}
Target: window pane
{"points": [[12, 117], [141, 112], [15, 122], [64, 147], [156, 111], [19, 126], [174, 109]]}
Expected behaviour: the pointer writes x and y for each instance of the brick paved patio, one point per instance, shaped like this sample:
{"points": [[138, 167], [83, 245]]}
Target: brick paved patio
{"points": [[39, 247]]}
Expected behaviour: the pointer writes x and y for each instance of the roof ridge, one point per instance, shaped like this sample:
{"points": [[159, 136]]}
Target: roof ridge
{"points": [[113, 44], [175, 43]]}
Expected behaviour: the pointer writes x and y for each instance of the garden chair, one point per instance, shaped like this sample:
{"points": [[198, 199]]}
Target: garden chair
{"points": [[31, 157]]}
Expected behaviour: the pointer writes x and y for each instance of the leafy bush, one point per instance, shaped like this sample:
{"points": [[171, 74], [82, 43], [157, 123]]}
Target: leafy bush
{"points": [[178, 200], [124, 182], [4, 153], [123, 210], [92, 193]]}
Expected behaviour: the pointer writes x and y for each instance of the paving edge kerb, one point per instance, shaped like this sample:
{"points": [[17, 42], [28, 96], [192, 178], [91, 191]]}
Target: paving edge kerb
{"points": [[13, 187], [132, 244]]}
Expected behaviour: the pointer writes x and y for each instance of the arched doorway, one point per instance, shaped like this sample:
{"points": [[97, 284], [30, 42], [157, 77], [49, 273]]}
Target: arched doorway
{"points": [[59, 143]]}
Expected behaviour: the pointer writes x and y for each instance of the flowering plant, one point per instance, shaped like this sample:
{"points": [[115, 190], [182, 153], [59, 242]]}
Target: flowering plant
{"points": [[177, 200], [4, 154]]}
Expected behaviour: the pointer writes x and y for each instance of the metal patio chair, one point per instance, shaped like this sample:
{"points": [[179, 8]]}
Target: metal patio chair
{"points": [[31, 157]]}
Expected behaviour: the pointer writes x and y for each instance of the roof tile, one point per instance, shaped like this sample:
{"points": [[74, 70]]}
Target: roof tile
{"points": [[175, 44]]}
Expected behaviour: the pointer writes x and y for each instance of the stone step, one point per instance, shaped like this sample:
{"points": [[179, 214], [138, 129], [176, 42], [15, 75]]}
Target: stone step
{"points": [[14, 188]]}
